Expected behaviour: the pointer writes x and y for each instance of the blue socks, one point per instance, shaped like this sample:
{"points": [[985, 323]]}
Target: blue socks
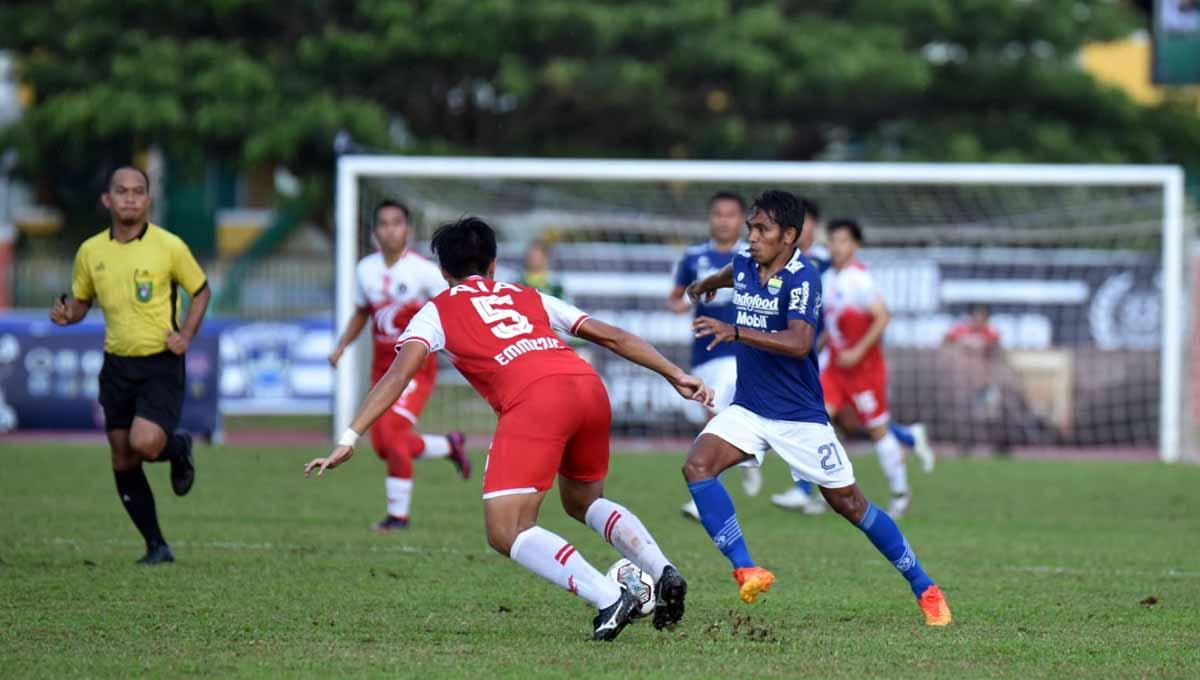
{"points": [[720, 520], [805, 486], [887, 539], [903, 434]]}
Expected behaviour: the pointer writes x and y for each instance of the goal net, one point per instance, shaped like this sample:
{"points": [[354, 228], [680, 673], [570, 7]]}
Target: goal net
{"points": [[1078, 269]]}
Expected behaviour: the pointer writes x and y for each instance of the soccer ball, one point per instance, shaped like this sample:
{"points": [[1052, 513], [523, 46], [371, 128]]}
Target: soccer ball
{"points": [[638, 582]]}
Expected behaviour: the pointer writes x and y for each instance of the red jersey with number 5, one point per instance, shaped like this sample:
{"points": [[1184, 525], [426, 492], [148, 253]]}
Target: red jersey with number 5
{"points": [[501, 336]]}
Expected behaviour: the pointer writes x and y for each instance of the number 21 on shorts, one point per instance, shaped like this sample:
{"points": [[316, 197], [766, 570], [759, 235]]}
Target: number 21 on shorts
{"points": [[831, 458]]}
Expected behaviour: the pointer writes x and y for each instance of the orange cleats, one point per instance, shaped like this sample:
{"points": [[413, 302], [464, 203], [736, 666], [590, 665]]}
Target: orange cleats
{"points": [[755, 580], [933, 603]]}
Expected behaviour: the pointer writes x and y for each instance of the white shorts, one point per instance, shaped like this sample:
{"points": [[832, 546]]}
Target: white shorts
{"points": [[812, 450], [721, 375]]}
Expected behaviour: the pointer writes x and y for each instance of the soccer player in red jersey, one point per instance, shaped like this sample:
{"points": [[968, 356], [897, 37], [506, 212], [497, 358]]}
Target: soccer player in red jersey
{"points": [[554, 419], [391, 285]]}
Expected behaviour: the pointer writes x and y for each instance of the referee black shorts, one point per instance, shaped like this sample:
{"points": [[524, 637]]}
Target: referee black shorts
{"points": [[151, 387]]}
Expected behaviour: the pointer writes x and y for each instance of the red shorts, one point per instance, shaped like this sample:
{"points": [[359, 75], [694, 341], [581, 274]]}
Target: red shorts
{"points": [[412, 401], [558, 425], [864, 389]]}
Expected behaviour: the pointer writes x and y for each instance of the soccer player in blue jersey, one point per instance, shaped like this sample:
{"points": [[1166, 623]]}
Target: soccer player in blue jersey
{"points": [[779, 403], [717, 366]]}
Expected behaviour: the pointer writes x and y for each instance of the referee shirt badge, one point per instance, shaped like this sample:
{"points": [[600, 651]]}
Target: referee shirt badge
{"points": [[144, 288]]}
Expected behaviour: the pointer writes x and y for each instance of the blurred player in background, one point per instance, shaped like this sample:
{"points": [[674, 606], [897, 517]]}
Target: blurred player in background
{"points": [[391, 285], [716, 366], [779, 403], [537, 273], [554, 419], [855, 376], [800, 495], [976, 332], [134, 270]]}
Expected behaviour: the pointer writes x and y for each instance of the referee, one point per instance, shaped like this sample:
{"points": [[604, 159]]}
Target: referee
{"points": [[134, 270]]}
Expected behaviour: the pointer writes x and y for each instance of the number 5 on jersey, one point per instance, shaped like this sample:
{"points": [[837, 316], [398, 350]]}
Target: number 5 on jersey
{"points": [[496, 318]]}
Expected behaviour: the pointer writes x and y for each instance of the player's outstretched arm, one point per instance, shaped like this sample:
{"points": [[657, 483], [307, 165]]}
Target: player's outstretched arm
{"points": [[381, 397], [353, 327], [707, 287], [794, 341], [642, 353]]}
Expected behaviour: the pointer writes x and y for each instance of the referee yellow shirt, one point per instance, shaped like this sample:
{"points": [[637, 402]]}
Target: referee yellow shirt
{"points": [[136, 285]]}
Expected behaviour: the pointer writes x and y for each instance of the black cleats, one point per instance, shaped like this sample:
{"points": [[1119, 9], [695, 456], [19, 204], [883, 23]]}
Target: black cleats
{"points": [[183, 468], [159, 553], [390, 523], [668, 598], [611, 620]]}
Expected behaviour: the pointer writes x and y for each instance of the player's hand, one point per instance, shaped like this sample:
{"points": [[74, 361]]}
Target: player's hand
{"points": [[336, 356], [693, 388], [177, 342], [719, 331], [339, 455], [849, 358], [696, 292], [59, 312]]}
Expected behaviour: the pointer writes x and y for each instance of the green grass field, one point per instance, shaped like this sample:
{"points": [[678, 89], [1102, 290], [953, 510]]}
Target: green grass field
{"points": [[1050, 567]]}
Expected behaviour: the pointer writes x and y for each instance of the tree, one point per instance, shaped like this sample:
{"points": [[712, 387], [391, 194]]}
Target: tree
{"points": [[261, 82]]}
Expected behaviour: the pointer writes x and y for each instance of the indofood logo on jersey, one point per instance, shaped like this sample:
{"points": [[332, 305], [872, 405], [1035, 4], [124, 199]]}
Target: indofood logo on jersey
{"points": [[753, 308], [143, 285]]}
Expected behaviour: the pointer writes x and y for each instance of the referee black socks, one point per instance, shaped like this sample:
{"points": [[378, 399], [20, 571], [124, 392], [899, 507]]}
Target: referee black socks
{"points": [[135, 494]]}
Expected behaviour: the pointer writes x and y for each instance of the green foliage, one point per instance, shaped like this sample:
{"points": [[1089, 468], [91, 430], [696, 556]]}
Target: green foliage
{"points": [[258, 82]]}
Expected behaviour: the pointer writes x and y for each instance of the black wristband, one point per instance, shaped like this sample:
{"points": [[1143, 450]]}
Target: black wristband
{"points": [[736, 335]]}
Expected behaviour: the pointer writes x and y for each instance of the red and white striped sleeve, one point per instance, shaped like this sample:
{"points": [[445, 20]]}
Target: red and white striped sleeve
{"points": [[564, 317], [425, 328]]}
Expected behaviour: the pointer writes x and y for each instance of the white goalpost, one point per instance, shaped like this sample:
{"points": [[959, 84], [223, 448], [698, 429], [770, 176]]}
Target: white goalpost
{"points": [[1083, 265]]}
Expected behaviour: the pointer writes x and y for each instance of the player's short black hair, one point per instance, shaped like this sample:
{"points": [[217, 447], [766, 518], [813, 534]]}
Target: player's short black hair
{"points": [[849, 225], [389, 203], [979, 307], [112, 176], [783, 207], [727, 196], [465, 247], [811, 209]]}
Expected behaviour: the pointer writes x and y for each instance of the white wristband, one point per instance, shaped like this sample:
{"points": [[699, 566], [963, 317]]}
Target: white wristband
{"points": [[348, 438]]}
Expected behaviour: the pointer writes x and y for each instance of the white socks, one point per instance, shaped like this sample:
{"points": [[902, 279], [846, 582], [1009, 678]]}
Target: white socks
{"points": [[891, 459], [399, 496], [554, 559], [436, 446], [620, 527]]}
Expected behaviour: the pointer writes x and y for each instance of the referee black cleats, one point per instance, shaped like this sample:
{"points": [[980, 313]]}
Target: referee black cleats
{"points": [[668, 598], [611, 620], [183, 468], [159, 553]]}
